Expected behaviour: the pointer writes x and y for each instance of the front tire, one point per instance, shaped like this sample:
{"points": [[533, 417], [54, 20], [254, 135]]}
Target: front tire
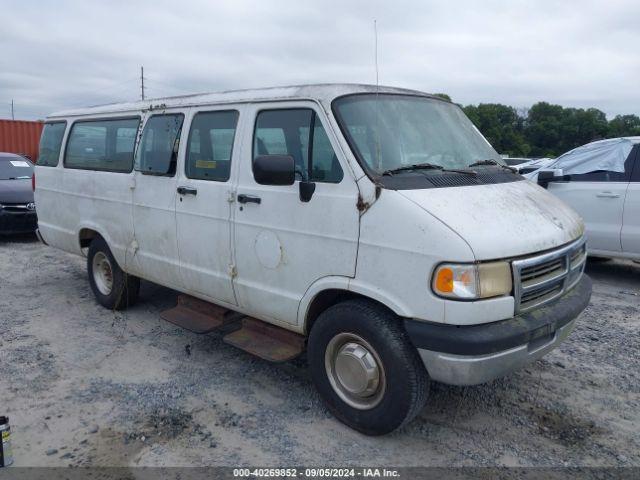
{"points": [[365, 368], [112, 287]]}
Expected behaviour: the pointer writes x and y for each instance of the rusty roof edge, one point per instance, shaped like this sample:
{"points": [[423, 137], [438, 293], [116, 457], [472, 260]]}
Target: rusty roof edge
{"points": [[316, 92]]}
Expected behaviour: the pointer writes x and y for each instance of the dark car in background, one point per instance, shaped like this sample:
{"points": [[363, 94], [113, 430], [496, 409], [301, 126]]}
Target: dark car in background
{"points": [[17, 209]]}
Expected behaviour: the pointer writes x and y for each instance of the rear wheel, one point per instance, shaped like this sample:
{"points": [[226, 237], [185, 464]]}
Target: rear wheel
{"points": [[365, 368], [112, 287]]}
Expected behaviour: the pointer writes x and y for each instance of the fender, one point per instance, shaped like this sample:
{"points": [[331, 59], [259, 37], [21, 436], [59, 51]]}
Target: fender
{"points": [[350, 285], [118, 250]]}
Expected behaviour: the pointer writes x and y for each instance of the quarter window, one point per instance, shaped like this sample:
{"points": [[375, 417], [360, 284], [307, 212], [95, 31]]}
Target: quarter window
{"points": [[210, 145], [157, 153], [50, 143], [105, 145], [299, 133]]}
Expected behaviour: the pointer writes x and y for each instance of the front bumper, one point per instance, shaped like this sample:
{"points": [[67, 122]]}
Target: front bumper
{"points": [[469, 355], [17, 222]]}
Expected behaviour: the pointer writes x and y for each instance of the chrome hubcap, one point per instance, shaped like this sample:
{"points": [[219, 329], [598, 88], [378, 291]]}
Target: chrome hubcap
{"points": [[355, 371], [102, 273]]}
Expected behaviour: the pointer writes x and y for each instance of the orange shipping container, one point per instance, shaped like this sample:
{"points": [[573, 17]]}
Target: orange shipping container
{"points": [[20, 136]]}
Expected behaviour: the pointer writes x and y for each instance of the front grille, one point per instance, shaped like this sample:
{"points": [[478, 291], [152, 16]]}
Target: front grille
{"points": [[542, 278]]}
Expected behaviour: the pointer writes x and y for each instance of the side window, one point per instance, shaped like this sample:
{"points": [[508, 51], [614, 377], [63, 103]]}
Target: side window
{"points": [[105, 145], [299, 133], [157, 153], [125, 139], [635, 176], [51, 143], [210, 145], [325, 165], [600, 176], [608, 176]]}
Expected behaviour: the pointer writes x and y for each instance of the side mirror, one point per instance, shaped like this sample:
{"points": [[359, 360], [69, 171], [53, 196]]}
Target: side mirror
{"points": [[545, 177], [274, 170]]}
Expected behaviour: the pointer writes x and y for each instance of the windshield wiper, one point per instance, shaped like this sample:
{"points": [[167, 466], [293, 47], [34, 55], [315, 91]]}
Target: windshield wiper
{"points": [[480, 163], [427, 166], [415, 166]]}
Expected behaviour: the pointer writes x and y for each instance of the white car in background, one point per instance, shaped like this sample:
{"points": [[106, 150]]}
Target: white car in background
{"points": [[601, 181]]}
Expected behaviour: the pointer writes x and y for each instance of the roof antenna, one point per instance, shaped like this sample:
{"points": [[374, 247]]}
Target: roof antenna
{"points": [[377, 139], [375, 40]]}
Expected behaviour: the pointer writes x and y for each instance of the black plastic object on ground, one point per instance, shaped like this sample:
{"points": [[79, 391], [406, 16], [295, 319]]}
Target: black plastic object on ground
{"points": [[6, 458]]}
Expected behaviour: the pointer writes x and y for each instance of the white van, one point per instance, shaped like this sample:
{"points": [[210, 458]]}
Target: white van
{"points": [[374, 228]]}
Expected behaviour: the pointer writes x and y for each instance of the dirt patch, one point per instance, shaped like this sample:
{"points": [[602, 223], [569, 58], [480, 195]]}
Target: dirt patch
{"points": [[564, 427]]}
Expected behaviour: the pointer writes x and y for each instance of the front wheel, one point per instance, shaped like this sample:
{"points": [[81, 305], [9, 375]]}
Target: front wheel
{"points": [[365, 368], [112, 287]]}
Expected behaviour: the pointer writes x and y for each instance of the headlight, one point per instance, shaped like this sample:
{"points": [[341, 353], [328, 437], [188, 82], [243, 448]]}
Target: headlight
{"points": [[482, 280]]}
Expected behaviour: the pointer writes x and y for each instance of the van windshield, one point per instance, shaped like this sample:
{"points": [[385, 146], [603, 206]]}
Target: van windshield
{"points": [[15, 168], [389, 131]]}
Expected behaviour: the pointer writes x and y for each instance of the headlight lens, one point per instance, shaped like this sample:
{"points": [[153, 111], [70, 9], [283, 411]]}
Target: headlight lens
{"points": [[482, 280]]}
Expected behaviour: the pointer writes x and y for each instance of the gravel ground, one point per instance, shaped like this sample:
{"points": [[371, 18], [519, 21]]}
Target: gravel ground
{"points": [[87, 386]]}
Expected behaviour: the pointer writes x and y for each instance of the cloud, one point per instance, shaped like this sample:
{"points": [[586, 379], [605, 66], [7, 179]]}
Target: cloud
{"points": [[61, 54]]}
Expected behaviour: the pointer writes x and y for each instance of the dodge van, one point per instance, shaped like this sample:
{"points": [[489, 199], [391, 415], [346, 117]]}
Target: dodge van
{"points": [[373, 228]]}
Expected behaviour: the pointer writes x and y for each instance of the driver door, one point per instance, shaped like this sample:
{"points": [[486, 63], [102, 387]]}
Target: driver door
{"points": [[283, 244]]}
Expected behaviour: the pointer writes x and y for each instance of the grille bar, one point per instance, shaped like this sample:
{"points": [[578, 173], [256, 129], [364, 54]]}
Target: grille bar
{"points": [[542, 278], [17, 207]]}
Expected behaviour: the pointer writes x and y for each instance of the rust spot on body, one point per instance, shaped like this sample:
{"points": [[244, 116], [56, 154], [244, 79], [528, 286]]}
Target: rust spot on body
{"points": [[362, 206]]}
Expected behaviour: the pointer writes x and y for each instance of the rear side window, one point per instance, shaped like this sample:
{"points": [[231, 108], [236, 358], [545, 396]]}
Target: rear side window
{"points": [[157, 153], [299, 133], [50, 143], [210, 145], [105, 145]]}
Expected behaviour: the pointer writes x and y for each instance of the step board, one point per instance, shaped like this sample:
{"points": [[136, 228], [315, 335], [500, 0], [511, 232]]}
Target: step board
{"points": [[266, 341], [197, 315]]}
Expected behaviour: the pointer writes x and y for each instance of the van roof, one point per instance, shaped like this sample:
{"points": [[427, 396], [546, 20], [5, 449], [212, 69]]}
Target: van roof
{"points": [[324, 93]]}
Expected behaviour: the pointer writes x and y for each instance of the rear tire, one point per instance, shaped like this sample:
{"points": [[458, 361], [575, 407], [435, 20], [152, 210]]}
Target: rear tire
{"points": [[112, 287], [365, 368]]}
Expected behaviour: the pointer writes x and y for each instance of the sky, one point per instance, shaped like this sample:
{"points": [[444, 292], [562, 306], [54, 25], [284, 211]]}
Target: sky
{"points": [[68, 53]]}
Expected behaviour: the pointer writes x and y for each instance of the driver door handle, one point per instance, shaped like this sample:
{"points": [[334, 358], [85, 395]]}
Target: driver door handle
{"points": [[608, 195], [187, 191], [242, 198]]}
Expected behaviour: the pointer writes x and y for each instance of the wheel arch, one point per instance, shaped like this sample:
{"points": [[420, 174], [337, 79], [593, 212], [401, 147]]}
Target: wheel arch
{"points": [[89, 231], [329, 292], [86, 236]]}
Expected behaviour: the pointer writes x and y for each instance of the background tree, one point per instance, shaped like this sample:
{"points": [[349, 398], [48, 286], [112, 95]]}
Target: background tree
{"points": [[502, 126], [545, 129], [443, 95], [624, 126]]}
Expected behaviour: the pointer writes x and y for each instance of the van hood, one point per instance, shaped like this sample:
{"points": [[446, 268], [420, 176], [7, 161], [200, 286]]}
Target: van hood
{"points": [[16, 191], [502, 220]]}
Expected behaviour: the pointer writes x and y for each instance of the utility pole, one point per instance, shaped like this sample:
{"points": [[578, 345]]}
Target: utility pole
{"points": [[12, 115], [142, 82]]}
